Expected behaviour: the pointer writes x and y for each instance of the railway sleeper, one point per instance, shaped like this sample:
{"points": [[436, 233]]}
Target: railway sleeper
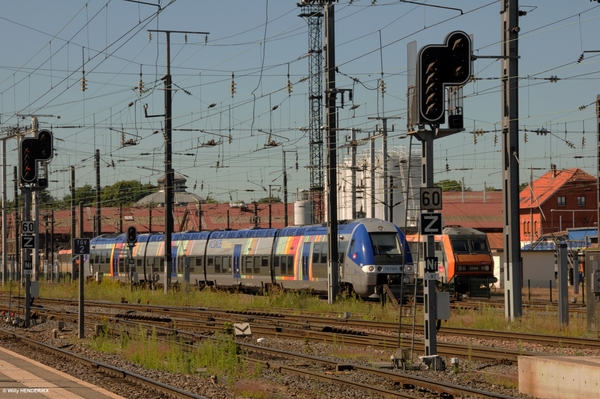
{"points": [[143, 318], [336, 330]]}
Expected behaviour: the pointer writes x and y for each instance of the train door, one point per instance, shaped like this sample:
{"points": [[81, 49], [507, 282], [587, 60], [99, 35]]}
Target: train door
{"points": [[117, 266], [306, 261], [237, 255], [174, 261], [180, 265]]}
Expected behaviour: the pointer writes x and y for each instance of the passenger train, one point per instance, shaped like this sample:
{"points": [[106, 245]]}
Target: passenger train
{"points": [[465, 262], [372, 252]]}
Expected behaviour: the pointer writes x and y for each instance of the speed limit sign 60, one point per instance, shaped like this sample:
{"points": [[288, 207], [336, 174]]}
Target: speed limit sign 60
{"points": [[431, 198], [28, 227]]}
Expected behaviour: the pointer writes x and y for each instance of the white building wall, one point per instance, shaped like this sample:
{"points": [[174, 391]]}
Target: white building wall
{"points": [[398, 173]]}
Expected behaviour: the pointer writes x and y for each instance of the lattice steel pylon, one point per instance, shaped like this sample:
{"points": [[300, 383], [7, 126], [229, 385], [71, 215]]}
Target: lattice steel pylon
{"points": [[313, 14]]}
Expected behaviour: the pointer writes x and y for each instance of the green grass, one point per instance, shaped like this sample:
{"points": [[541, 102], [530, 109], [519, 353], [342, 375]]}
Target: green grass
{"points": [[220, 357]]}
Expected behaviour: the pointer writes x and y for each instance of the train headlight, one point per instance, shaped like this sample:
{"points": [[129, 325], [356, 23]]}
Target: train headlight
{"points": [[486, 268], [460, 268], [408, 269], [371, 268], [379, 269]]}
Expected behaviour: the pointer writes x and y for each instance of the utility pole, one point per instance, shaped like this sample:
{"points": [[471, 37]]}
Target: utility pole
{"points": [[4, 230], [331, 111], [286, 219], [98, 209], [384, 161], [81, 302], [73, 218], [513, 306], [168, 157]]}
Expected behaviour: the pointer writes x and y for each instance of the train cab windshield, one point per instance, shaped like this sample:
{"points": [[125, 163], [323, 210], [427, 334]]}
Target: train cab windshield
{"points": [[386, 244], [460, 246], [469, 246], [479, 246]]}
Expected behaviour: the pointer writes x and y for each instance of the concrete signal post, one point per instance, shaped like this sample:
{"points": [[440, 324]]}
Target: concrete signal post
{"points": [[438, 66], [81, 247], [32, 150], [131, 241]]}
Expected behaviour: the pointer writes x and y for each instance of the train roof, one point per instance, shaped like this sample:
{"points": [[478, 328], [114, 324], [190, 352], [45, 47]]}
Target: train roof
{"points": [[459, 230], [344, 227]]}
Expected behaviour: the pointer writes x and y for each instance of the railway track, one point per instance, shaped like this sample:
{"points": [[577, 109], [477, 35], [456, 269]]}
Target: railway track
{"points": [[125, 375], [378, 335], [335, 330], [389, 383], [340, 323]]}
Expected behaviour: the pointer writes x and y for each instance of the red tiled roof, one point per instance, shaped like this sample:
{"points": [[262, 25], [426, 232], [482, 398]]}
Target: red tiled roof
{"points": [[476, 209], [214, 217], [496, 240], [549, 183]]}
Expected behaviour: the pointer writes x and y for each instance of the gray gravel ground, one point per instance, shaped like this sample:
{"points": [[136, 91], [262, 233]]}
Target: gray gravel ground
{"points": [[271, 384]]}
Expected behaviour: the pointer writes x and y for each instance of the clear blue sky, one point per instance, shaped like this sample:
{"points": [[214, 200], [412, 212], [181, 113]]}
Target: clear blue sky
{"points": [[48, 46]]}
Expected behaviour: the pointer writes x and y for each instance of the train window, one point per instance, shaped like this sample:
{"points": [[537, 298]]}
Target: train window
{"points": [[226, 264], [210, 261], [217, 264], [199, 262], [276, 261], [107, 257], [324, 254], [460, 246], [139, 262], [316, 252], [290, 268], [257, 262], [283, 264], [248, 264], [264, 262], [479, 245], [385, 244], [342, 251]]}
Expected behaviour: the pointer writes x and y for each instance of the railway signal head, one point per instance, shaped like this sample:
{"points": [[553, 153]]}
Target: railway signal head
{"points": [[431, 86], [46, 147], [28, 160], [131, 235], [459, 59], [32, 150], [448, 64]]}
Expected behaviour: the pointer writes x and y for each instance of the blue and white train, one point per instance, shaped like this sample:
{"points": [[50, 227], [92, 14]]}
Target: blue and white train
{"points": [[372, 252]]}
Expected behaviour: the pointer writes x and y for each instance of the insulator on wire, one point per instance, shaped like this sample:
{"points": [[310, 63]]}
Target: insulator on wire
{"points": [[382, 86], [149, 36], [232, 85], [83, 84]]}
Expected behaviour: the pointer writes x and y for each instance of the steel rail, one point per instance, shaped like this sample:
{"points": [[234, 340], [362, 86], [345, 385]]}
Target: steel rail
{"points": [[136, 378]]}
